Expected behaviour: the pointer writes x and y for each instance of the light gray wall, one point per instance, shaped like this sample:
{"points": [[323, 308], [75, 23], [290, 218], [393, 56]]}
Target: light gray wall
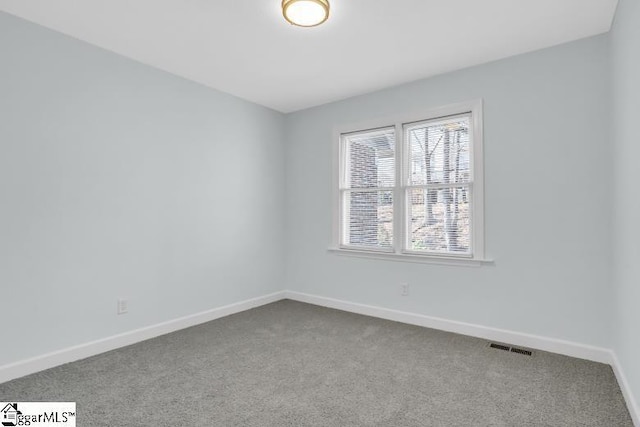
{"points": [[120, 180], [548, 199], [625, 43]]}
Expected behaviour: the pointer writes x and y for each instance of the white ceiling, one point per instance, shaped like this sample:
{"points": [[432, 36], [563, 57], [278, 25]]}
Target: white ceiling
{"points": [[244, 47]]}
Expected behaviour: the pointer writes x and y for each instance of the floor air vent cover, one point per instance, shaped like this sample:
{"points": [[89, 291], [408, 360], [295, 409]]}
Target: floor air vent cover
{"points": [[521, 351], [499, 346], [511, 349]]}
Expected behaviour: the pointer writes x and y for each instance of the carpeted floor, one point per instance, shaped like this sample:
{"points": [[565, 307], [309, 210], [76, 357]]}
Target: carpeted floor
{"points": [[293, 364]]}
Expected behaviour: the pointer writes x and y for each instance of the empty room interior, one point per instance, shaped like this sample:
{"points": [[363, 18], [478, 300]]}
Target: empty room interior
{"points": [[320, 213]]}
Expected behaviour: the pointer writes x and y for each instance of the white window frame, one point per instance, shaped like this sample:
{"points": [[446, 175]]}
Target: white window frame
{"points": [[399, 249]]}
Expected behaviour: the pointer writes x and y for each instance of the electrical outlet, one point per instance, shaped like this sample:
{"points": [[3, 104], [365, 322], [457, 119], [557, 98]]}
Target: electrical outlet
{"points": [[123, 306], [404, 289]]}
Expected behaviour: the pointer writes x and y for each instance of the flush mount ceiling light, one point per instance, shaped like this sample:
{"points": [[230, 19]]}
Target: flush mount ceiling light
{"points": [[305, 13]]}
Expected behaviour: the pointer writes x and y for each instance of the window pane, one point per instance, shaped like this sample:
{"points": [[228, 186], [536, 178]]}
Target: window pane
{"points": [[440, 220], [370, 159], [439, 151], [368, 219]]}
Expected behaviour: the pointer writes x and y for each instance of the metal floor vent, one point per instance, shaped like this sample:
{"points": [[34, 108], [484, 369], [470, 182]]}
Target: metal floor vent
{"points": [[511, 349], [499, 346], [521, 351]]}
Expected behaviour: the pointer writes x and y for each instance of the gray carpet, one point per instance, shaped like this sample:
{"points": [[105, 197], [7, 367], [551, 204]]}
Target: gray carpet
{"points": [[293, 364]]}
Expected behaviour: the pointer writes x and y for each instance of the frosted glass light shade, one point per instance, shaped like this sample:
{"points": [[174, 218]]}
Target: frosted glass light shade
{"points": [[305, 13]]}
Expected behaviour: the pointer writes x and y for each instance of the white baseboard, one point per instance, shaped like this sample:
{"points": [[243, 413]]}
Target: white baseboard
{"points": [[632, 404], [70, 354], [568, 348]]}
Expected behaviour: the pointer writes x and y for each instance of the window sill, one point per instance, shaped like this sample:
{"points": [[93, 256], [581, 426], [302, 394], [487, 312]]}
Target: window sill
{"points": [[422, 259]]}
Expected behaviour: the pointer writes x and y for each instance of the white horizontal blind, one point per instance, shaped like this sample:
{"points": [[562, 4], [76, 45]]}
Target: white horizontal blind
{"points": [[439, 186], [367, 183]]}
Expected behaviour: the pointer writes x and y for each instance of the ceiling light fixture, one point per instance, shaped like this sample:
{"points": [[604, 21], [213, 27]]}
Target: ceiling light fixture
{"points": [[305, 13]]}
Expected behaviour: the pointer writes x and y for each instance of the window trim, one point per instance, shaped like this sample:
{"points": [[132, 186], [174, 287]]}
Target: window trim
{"points": [[398, 253]]}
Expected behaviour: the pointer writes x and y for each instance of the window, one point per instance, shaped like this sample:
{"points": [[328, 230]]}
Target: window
{"points": [[369, 164], [413, 187]]}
